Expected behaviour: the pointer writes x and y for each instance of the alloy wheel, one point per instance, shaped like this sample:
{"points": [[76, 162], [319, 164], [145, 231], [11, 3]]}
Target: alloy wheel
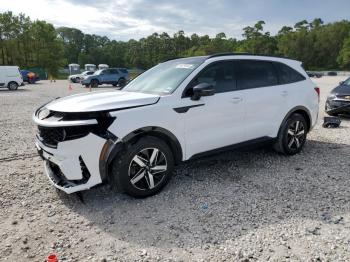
{"points": [[147, 169], [296, 135]]}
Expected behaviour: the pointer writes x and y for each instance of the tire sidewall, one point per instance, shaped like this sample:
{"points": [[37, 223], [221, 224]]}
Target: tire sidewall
{"points": [[120, 168], [94, 83], [284, 133]]}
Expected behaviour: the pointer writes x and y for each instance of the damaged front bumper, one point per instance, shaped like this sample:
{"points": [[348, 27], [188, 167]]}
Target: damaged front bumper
{"points": [[338, 106], [74, 165]]}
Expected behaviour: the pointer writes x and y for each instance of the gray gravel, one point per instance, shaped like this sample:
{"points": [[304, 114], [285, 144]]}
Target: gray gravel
{"points": [[238, 206]]}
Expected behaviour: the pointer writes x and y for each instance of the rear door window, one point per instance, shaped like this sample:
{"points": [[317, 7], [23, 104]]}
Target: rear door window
{"points": [[255, 73], [287, 75]]}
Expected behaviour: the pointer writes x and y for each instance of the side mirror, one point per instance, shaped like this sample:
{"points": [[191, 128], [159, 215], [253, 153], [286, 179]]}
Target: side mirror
{"points": [[341, 82], [202, 89]]}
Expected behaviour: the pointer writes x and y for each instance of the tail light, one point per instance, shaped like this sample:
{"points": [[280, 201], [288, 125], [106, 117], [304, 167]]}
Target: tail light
{"points": [[317, 89]]}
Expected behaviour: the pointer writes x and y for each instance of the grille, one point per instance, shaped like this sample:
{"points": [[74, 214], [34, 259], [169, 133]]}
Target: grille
{"points": [[51, 136]]}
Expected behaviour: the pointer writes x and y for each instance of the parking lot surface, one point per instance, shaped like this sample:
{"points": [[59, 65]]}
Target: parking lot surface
{"points": [[237, 206]]}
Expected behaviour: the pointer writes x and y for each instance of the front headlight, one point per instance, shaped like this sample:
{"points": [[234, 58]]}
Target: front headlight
{"points": [[43, 113], [331, 97]]}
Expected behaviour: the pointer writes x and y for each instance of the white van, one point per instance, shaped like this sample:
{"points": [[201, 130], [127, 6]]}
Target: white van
{"points": [[10, 77]]}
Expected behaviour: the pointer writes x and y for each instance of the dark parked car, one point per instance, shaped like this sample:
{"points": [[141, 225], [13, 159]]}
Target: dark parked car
{"points": [[29, 76], [338, 102]]}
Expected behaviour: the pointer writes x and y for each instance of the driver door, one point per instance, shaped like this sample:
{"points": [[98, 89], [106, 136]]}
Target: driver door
{"points": [[214, 121]]}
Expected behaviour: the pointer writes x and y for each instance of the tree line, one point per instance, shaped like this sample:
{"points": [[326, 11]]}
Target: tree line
{"points": [[29, 43]]}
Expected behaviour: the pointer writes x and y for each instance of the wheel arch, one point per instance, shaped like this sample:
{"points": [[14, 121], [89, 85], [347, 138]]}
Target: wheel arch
{"points": [[302, 110], [95, 79], [168, 137], [114, 146]]}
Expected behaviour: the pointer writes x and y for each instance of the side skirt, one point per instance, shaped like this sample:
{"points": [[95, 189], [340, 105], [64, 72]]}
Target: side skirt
{"points": [[251, 144]]}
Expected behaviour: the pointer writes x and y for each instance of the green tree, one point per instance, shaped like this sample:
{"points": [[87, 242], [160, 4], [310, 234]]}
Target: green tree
{"points": [[344, 55]]}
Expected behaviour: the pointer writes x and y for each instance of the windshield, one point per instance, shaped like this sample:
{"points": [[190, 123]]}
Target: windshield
{"points": [[98, 72], [164, 78], [347, 82]]}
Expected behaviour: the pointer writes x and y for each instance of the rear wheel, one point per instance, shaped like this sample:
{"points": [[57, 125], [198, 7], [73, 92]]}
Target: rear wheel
{"points": [[144, 168], [12, 86], [292, 135]]}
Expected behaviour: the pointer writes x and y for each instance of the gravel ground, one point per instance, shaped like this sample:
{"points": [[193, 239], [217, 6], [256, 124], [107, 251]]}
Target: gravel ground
{"points": [[238, 206]]}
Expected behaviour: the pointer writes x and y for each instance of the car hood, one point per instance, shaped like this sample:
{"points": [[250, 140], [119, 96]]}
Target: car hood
{"points": [[341, 90], [101, 101]]}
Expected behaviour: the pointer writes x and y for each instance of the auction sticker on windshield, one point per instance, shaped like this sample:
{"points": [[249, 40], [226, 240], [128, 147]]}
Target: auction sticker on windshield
{"points": [[185, 66]]}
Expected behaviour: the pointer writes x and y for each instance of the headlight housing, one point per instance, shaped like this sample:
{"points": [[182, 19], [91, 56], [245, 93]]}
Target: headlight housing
{"points": [[332, 96]]}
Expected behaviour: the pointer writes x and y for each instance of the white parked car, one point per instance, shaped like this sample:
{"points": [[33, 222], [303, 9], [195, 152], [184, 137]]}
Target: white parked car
{"points": [[10, 77], [176, 111], [77, 78]]}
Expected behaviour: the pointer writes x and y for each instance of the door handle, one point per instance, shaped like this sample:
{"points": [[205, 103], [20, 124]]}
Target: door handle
{"points": [[284, 93], [236, 100]]}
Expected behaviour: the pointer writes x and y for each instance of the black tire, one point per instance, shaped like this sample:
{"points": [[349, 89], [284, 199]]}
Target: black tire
{"points": [[12, 86], [121, 82], [130, 177], [291, 136], [114, 84], [94, 83]]}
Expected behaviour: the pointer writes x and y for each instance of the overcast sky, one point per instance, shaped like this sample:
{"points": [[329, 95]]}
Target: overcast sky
{"points": [[126, 19]]}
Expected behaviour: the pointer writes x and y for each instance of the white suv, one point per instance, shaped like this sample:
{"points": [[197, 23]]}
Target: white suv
{"points": [[176, 111]]}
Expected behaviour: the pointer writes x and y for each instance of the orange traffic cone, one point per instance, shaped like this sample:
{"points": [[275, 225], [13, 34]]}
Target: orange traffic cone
{"points": [[52, 258], [70, 87]]}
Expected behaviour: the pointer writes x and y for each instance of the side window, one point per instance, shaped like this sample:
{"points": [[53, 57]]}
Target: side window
{"points": [[219, 75], [114, 71], [106, 72], [253, 74], [288, 75]]}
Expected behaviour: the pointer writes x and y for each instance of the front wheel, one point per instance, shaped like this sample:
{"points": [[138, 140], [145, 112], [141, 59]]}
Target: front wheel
{"points": [[94, 83], [122, 82], [144, 168], [292, 135]]}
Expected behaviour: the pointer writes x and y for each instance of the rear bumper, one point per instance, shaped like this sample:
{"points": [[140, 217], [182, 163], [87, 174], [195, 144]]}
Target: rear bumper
{"points": [[74, 165]]}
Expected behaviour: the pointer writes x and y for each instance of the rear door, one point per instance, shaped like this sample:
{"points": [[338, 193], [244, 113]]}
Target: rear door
{"points": [[264, 98]]}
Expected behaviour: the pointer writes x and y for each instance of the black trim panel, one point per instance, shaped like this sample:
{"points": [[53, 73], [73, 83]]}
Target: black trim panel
{"points": [[163, 133], [185, 109], [254, 142]]}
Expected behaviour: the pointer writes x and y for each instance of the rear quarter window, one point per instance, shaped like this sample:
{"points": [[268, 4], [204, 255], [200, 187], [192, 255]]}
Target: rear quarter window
{"points": [[287, 75]]}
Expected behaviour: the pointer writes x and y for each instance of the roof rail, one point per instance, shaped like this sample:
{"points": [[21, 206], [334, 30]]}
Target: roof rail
{"points": [[248, 54], [173, 58]]}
